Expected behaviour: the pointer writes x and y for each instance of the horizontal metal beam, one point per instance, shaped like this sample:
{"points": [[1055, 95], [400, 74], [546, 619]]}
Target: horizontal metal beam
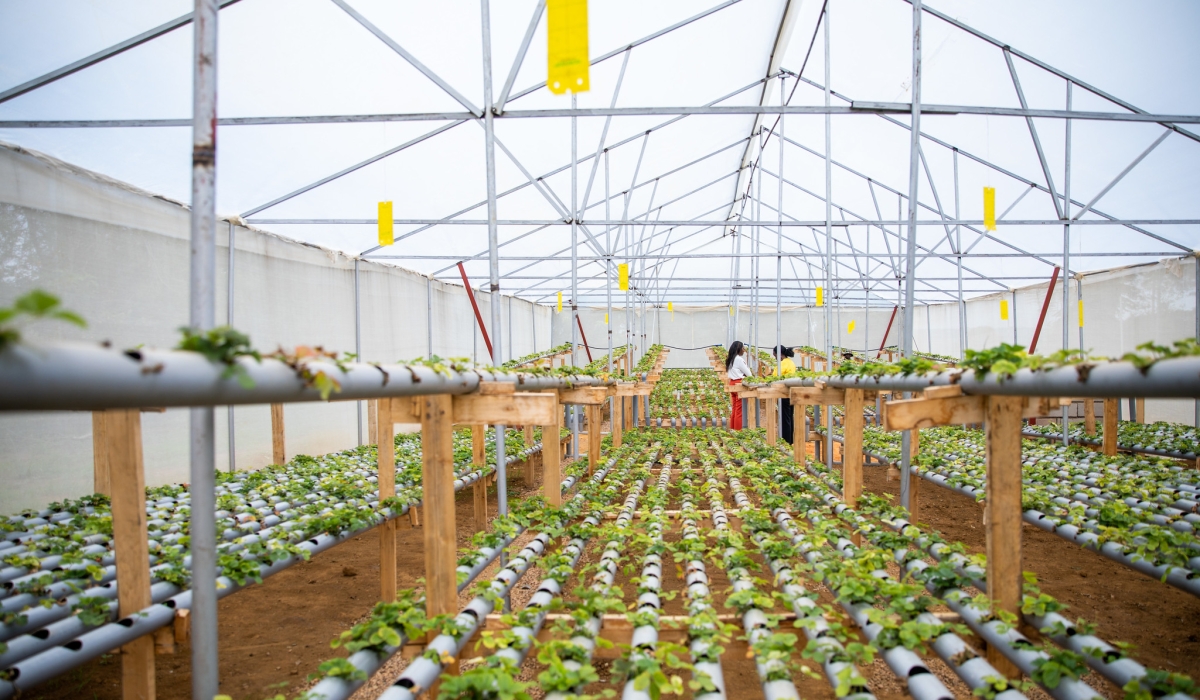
{"points": [[733, 223], [699, 110], [79, 377], [801, 255]]}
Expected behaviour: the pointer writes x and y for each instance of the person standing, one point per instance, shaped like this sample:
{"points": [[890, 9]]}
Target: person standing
{"points": [[736, 367], [784, 356]]}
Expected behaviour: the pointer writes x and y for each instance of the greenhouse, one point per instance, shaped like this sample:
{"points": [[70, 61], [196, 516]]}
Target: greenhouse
{"points": [[552, 349]]}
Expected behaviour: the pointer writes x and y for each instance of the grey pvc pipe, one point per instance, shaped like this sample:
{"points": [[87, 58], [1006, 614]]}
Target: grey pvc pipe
{"points": [[645, 637], [89, 377]]}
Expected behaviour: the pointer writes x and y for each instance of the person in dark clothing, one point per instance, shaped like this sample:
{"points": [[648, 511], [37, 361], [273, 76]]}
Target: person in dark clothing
{"points": [[782, 355]]}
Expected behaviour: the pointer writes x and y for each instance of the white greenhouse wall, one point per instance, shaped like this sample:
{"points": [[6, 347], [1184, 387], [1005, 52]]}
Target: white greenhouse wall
{"points": [[119, 257]]}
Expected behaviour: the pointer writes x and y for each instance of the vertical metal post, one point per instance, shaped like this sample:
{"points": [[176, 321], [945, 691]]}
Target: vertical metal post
{"points": [[1014, 315], [779, 263], [608, 252], [229, 322], [358, 405], [1066, 288], [574, 264], [962, 305], [202, 311], [1197, 331], [494, 256], [828, 246], [429, 314], [911, 247]]}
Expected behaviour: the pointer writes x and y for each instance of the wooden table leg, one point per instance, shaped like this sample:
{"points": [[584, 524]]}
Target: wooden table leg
{"points": [[386, 476], [1002, 512], [1111, 428]]}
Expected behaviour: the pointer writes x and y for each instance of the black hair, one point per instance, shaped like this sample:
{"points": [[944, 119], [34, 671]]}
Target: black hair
{"points": [[735, 349], [784, 350]]}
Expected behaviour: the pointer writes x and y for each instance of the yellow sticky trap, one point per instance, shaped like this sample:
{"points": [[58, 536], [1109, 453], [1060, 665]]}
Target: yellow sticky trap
{"points": [[820, 296], [560, 301], [670, 306], [385, 224], [567, 52], [1003, 309], [623, 277], [606, 319], [850, 327], [989, 208], [1081, 313], [731, 311]]}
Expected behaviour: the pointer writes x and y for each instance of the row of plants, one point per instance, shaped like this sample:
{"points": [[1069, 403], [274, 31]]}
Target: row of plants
{"points": [[59, 568], [536, 355], [600, 364], [689, 392], [649, 359], [1159, 437]]}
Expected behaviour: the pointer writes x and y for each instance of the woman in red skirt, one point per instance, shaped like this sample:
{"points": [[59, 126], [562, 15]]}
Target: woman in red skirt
{"points": [[736, 367]]}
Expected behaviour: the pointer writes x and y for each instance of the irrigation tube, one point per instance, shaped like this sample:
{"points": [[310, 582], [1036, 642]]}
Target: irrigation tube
{"points": [[697, 591], [754, 620], [603, 579], [423, 671], [804, 607], [53, 655], [369, 661], [89, 377], [645, 637]]}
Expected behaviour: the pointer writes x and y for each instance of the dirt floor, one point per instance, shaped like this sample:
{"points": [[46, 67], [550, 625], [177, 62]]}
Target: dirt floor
{"points": [[275, 634]]}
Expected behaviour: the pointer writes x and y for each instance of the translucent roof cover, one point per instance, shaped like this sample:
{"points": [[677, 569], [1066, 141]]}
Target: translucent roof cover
{"points": [[680, 142]]}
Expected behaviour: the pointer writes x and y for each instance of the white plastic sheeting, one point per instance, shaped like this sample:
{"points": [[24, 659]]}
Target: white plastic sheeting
{"points": [[119, 257]]}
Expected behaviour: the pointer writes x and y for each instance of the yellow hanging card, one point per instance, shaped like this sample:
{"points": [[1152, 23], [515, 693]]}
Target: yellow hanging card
{"points": [[1003, 309], [385, 223], [567, 51], [731, 311], [606, 319], [560, 301], [989, 208], [1081, 313], [623, 277], [820, 296], [670, 306], [850, 327]]}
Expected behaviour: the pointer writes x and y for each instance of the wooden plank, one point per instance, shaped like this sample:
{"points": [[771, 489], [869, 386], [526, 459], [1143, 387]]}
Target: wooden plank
{"points": [[123, 437], [1089, 416], [479, 489], [821, 396], [1140, 405], [510, 409], [497, 388], [773, 391], [799, 432], [1002, 512], [530, 475], [386, 460], [1111, 408], [914, 480], [852, 456], [941, 392], [278, 453], [437, 468], [552, 458], [587, 395], [372, 421], [618, 413], [101, 482], [772, 423], [592, 414]]}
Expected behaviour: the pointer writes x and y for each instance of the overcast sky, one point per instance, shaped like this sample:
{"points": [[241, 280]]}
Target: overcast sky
{"points": [[301, 57]]}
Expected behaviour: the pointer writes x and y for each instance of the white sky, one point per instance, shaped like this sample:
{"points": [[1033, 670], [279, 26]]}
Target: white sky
{"points": [[307, 57]]}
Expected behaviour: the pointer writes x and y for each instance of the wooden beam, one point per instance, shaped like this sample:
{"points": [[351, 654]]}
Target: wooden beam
{"points": [[1089, 416], [914, 480], [530, 476], [479, 488], [799, 432], [1140, 404], [772, 424], [907, 414], [852, 455], [821, 396], [278, 453], [586, 395], [552, 457], [592, 415], [509, 409], [123, 437], [497, 388], [386, 475], [437, 468], [618, 413], [101, 482], [1002, 512], [1111, 427], [773, 391], [372, 421]]}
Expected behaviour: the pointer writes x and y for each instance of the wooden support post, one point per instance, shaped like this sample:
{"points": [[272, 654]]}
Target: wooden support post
{"points": [[627, 404], [1002, 512], [530, 476], [552, 461], [617, 413], [592, 412], [479, 488], [852, 455], [437, 469], [772, 423], [373, 421], [278, 454], [123, 437], [799, 432], [100, 472], [1089, 415], [914, 481], [1111, 408], [386, 476], [1141, 410]]}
